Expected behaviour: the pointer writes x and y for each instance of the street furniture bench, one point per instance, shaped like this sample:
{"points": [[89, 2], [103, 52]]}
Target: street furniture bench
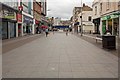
{"points": [[98, 38]]}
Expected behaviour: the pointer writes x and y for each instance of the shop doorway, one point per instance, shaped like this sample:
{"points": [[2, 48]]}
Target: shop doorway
{"points": [[28, 28], [12, 27], [110, 26], [97, 29], [4, 30], [115, 26]]}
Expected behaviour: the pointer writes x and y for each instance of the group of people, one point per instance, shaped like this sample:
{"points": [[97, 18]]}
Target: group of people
{"points": [[39, 29]]}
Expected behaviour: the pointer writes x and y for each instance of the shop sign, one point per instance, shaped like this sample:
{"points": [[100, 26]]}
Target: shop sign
{"points": [[28, 19], [109, 17], [104, 18], [114, 16], [19, 17], [9, 14]]}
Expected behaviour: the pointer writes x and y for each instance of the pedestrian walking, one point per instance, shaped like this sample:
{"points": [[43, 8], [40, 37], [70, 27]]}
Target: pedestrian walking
{"points": [[67, 32], [53, 30], [37, 30], [46, 32]]}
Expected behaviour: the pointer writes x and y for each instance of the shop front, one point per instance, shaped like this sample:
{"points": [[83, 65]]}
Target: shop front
{"points": [[110, 23], [96, 25], [27, 25], [8, 22]]}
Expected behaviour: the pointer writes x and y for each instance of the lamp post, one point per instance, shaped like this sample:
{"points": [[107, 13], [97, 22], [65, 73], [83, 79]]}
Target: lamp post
{"points": [[81, 20]]}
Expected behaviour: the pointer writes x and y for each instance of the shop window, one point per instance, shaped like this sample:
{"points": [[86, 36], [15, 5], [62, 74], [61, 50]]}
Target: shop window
{"points": [[95, 10], [110, 26], [100, 7], [116, 26], [4, 30], [12, 29], [103, 27]]}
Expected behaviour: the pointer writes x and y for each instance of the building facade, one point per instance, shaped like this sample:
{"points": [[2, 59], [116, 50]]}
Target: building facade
{"points": [[109, 17], [9, 21], [97, 16], [106, 16], [20, 17], [87, 25], [27, 18], [57, 21], [75, 21], [36, 14], [44, 12]]}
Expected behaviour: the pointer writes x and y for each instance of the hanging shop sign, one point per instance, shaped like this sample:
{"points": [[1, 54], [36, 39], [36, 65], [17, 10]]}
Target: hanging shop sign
{"points": [[36, 21], [20, 8], [19, 17], [27, 19]]}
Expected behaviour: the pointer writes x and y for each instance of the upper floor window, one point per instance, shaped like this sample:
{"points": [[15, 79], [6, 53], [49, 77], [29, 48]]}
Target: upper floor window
{"points": [[89, 18], [95, 10], [100, 7]]}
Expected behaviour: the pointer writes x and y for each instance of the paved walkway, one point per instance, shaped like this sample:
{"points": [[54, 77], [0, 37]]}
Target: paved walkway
{"points": [[13, 43], [59, 56], [91, 39]]}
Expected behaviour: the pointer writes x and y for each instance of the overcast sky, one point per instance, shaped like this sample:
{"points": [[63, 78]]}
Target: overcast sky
{"points": [[64, 8]]}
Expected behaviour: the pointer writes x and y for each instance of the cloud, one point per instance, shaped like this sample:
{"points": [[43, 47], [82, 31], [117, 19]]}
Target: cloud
{"points": [[62, 8]]}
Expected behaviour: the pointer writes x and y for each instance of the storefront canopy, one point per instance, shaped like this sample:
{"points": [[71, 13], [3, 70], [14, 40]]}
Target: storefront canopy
{"points": [[114, 15]]}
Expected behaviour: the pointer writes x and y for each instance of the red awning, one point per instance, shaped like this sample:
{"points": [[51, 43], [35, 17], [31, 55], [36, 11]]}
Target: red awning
{"points": [[43, 26]]}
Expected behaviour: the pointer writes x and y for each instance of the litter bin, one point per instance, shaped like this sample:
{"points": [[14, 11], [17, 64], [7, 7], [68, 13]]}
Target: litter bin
{"points": [[109, 42]]}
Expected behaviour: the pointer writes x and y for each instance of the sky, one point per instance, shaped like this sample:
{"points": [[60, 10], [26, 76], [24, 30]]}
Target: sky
{"points": [[64, 8]]}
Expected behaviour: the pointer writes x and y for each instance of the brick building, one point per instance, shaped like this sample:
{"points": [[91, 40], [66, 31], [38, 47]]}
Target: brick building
{"points": [[37, 13]]}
